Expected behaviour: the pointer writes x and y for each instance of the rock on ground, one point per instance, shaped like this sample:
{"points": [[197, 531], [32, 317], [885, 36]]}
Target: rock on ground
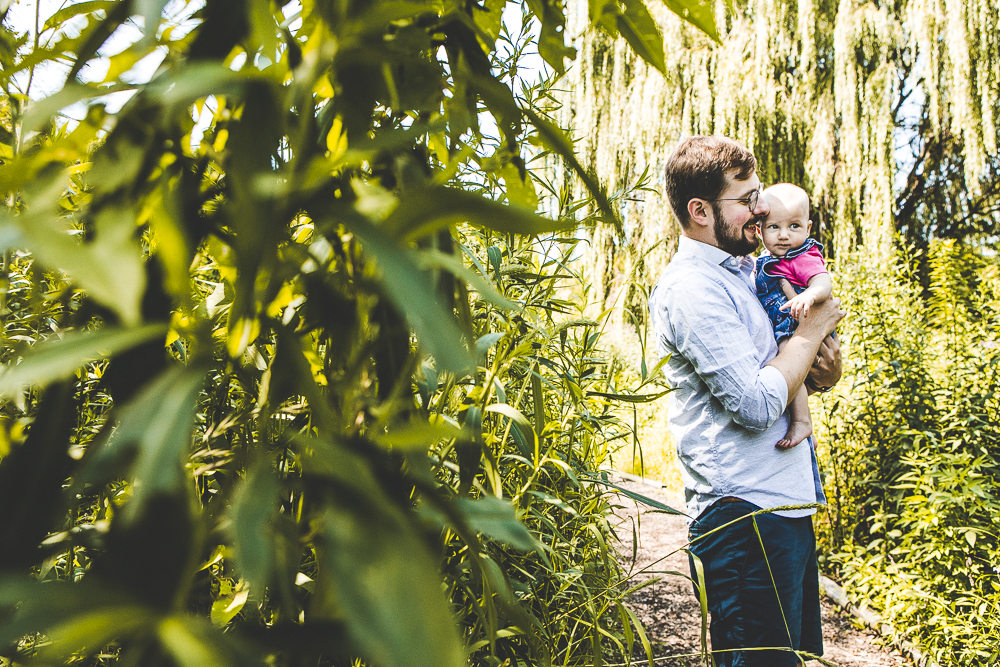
{"points": [[670, 612]]}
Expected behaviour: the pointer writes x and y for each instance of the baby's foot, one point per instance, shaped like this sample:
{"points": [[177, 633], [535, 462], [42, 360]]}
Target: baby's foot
{"points": [[797, 432]]}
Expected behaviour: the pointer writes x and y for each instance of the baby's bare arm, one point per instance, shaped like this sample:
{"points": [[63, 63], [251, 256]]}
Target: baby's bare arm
{"points": [[821, 286]]}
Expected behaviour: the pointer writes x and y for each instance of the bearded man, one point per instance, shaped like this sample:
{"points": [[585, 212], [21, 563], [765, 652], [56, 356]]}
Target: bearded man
{"points": [[728, 410]]}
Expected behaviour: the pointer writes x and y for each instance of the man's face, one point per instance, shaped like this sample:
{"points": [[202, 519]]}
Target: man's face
{"points": [[735, 225]]}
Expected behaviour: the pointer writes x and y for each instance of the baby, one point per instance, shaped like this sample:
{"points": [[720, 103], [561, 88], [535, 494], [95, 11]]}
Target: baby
{"points": [[791, 277]]}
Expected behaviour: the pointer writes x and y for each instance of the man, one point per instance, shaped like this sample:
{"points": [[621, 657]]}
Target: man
{"points": [[728, 411]]}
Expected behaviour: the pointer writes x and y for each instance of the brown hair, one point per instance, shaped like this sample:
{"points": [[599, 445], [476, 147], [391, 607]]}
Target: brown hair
{"points": [[698, 168]]}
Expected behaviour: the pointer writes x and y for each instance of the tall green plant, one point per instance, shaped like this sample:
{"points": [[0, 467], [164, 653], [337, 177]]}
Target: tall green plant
{"points": [[295, 372]]}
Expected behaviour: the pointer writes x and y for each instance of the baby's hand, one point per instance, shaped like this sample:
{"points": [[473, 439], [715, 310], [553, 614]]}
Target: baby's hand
{"points": [[799, 306]]}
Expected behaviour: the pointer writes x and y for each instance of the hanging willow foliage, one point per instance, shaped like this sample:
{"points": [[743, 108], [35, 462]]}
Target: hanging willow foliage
{"points": [[827, 94]]}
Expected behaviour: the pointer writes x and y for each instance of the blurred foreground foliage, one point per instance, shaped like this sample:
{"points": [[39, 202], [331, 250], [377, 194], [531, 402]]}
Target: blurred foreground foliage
{"points": [[912, 437], [295, 374]]}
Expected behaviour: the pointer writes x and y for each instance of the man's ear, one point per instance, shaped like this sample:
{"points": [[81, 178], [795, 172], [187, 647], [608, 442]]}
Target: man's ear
{"points": [[700, 213]]}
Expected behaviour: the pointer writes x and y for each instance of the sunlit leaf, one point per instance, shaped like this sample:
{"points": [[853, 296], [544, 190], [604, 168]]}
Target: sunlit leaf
{"points": [[39, 112], [423, 211], [420, 435], [699, 13], [641, 32], [66, 13], [630, 398]]}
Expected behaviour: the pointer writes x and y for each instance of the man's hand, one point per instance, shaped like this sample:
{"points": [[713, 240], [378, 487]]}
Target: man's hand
{"points": [[822, 319], [827, 368], [799, 306]]}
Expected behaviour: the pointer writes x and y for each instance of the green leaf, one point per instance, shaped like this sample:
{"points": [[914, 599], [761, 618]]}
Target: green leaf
{"points": [[255, 503], [495, 518], [326, 459], [495, 255], [520, 190], [640, 631], [439, 260], [109, 267], [77, 618], [188, 645], [417, 436], [157, 427], [631, 398], [485, 342], [425, 210], [41, 111], [290, 374], [89, 631], [32, 478], [229, 603], [642, 34], [521, 423], [57, 359], [645, 500], [702, 590], [413, 293], [551, 41], [99, 34], [387, 586], [197, 81], [75, 9], [699, 13], [150, 11]]}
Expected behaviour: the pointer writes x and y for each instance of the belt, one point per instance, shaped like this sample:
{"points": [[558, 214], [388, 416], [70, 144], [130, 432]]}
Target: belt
{"points": [[729, 499]]}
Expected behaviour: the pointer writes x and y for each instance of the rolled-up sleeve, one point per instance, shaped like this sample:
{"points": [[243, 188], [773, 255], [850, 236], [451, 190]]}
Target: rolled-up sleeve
{"points": [[701, 324]]}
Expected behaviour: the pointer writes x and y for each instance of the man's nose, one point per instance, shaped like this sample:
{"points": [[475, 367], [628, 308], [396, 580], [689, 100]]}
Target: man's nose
{"points": [[761, 208]]}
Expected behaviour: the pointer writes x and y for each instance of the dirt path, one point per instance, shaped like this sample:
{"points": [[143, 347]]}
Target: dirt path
{"points": [[670, 612]]}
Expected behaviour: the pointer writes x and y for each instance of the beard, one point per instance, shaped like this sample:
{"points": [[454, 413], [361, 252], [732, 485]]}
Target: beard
{"points": [[732, 241]]}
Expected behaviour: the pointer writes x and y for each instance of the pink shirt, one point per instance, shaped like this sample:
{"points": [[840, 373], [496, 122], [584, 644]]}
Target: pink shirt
{"points": [[798, 270]]}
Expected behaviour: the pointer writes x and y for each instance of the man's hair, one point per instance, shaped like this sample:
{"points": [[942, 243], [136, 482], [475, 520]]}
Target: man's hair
{"points": [[698, 168]]}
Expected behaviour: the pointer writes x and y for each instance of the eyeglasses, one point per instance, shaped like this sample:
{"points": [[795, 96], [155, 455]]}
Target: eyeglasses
{"points": [[750, 200]]}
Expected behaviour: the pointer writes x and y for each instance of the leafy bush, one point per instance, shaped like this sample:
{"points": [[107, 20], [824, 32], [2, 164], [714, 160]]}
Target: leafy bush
{"points": [[296, 374], [911, 439]]}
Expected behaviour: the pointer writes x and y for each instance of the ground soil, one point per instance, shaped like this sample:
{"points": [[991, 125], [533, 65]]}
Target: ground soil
{"points": [[670, 612]]}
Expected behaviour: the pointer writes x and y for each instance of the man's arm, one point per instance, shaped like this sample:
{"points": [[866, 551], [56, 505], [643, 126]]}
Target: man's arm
{"points": [[797, 356], [820, 289], [699, 323]]}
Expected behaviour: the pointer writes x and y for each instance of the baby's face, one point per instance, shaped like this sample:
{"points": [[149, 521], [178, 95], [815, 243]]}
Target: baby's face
{"points": [[783, 230]]}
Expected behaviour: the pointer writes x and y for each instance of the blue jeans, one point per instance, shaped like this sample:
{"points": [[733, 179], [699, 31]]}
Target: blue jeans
{"points": [[745, 610]]}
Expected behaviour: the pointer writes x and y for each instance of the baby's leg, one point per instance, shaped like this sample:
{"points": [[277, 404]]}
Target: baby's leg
{"points": [[799, 421]]}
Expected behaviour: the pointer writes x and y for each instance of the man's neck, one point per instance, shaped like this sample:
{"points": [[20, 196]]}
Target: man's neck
{"points": [[700, 234]]}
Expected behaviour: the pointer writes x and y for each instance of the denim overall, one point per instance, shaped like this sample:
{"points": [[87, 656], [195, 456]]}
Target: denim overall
{"points": [[770, 294]]}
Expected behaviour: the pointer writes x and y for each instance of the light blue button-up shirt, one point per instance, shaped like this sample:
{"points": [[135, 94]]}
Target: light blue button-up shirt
{"points": [[728, 408]]}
